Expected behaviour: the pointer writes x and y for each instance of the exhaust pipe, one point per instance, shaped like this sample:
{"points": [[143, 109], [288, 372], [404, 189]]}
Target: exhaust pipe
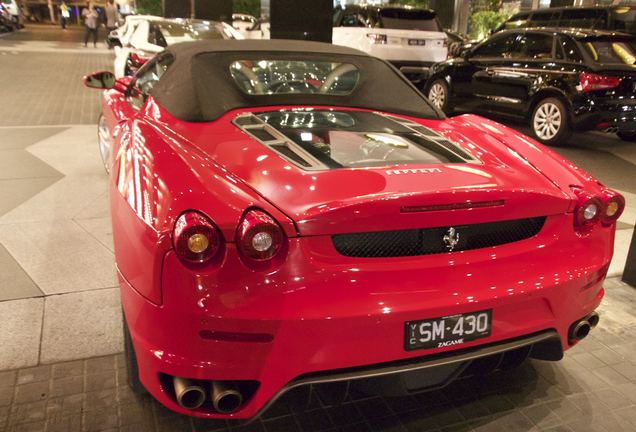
{"points": [[580, 330], [189, 395], [593, 319], [225, 397]]}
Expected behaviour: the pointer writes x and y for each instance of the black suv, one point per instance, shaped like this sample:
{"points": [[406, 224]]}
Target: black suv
{"points": [[558, 79], [616, 18]]}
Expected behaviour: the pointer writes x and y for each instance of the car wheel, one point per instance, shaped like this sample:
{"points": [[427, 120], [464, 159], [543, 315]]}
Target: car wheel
{"points": [[131, 363], [550, 124], [438, 94], [627, 136], [103, 138]]}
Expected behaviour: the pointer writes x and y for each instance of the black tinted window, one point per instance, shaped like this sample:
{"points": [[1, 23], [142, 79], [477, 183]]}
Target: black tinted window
{"points": [[409, 19], [585, 18], [351, 20], [612, 50], [534, 46], [500, 46], [570, 50], [624, 19], [545, 19]]}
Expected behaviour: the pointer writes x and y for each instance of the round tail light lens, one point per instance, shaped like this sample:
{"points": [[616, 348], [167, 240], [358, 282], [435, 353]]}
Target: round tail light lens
{"points": [[614, 206], [196, 239], [259, 237], [588, 212]]}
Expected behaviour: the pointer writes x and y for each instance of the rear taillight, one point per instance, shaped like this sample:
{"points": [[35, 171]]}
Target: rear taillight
{"points": [[138, 60], [614, 206], [588, 210], [592, 82], [259, 237], [592, 209], [377, 38], [195, 238]]}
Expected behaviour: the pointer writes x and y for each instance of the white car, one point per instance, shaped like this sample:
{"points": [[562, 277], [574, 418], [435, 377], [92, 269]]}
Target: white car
{"points": [[150, 36], [121, 35], [410, 38], [250, 27]]}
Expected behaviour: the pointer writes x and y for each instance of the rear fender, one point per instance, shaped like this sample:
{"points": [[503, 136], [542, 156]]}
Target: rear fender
{"points": [[155, 178], [555, 167]]}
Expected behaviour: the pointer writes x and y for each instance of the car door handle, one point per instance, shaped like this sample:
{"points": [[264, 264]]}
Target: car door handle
{"points": [[490, 72]]}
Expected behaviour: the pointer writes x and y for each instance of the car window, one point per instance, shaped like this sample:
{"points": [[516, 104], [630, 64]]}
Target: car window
{"points": [[352, 20], [570, 50], [624, 19], [545, 19], [584, 18], [409, 19], [612, 50], [266, 77], [147, 78], [534, 46], [155, 37], [498, 46]]}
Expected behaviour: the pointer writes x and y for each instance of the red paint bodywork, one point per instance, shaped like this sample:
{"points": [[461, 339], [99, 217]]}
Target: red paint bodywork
{"points": [[323, 310]]}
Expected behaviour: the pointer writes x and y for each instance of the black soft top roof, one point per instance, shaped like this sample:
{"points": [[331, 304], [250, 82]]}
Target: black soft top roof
{"points": [[198, 85]]}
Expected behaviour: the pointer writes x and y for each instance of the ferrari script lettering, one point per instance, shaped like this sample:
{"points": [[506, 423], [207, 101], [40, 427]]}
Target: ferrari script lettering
{"points": [[413, 171]]}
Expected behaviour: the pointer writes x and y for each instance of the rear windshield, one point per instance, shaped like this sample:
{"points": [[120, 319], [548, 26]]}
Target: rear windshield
{"points": [[353, 139], [612, 51], [266, 77], [624, 19], [409, 19], [165, 33]]}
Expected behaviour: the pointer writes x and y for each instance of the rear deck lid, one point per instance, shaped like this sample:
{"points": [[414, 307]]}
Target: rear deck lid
{"points": [[343, 171]]}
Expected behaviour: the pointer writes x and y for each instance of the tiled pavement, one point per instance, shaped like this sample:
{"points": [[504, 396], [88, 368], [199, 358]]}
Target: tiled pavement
{"points": [[53, 210]]}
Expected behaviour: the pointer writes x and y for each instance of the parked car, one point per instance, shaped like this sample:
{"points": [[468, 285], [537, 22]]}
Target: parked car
{"points": [[121, 35], [14, 12], [616, 18], [151, 36], [291, 213], [250, 27], [559, 80], [410, 38], [7, 24]]}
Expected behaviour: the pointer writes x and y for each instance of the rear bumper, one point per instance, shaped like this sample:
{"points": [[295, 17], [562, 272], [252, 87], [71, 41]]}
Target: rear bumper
{"points": [[606, 115], [319, 315]]}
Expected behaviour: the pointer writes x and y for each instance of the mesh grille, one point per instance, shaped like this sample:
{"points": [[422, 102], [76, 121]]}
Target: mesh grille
{"points": [[427, 241]]}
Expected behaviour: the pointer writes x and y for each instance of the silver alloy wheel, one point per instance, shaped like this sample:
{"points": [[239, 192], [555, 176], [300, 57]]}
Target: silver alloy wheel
{"points": [[103, 136], [547, 121], [437, 95]]}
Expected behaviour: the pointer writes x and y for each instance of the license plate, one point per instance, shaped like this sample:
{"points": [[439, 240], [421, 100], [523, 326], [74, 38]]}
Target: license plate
{"points": [[417, 42], [448, 330]]}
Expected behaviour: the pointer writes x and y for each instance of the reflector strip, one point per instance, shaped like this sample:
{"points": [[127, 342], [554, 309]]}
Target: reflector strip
{"points": [[453, 206]]}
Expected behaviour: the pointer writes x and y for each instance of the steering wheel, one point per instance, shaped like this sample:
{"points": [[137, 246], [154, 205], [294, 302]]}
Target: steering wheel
{"points": [[256, 84], [334, 75]]}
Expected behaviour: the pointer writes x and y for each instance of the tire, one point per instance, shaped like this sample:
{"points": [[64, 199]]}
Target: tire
{"points": [[131, 363], [104, 142], [550, 122], [438, 93], [627, 136]]}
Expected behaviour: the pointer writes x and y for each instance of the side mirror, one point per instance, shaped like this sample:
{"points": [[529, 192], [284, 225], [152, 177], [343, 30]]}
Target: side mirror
{"points": [[100, 80]]}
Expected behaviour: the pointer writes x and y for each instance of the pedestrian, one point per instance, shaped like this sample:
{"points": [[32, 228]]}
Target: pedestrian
{"points": [[90, 22], [112, 15], [65, 14]]}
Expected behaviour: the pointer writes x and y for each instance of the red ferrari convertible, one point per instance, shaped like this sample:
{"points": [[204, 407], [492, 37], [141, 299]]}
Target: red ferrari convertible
{"points": [[294, 214]]}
